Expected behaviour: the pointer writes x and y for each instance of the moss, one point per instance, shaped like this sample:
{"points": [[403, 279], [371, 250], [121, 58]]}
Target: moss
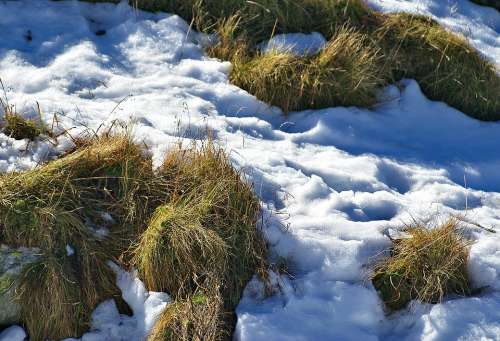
{"points": [[20, 128]]}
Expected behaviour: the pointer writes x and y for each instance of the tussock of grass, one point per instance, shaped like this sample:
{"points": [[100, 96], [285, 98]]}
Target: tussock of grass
{"points": [[199, 317], [445, 65], [347, 72], [54, 206], [263, 18], [206, 231], [427, 265], [15, 125], [201, 245]]}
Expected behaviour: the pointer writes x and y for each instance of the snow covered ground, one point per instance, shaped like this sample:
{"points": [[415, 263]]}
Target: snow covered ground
{"points": [[332, 182]]}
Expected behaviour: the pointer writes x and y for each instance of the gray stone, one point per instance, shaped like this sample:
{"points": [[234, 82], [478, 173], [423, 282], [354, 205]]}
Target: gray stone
{"points": [[12, 262]]}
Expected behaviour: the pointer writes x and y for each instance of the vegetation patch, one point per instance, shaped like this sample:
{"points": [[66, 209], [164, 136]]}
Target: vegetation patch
{"points": [[346, 72], [190, 228], [427, 264], [393, 46], [54, 208], [205, 233], [15, 125], [199, 317], [20, 128], [445, 65]]}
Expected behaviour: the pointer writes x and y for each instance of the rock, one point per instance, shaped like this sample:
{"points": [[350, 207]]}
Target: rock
{"points": [[12, 262]]}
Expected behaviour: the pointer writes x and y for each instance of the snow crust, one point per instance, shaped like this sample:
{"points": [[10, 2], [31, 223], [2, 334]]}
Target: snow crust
{"points": [[332, 183]]}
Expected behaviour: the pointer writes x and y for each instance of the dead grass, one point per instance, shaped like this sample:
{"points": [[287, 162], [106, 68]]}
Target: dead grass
{"points": [[199, 317], [445, 65], [391, 47], [55, 206], [347, 72], [207, 231], [428, 264], [190, 228]]}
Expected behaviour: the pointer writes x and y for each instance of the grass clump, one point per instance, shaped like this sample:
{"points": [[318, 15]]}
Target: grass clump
{"points": [[428, 264], [389, 47], [260, 19], [199, 317], [205, 233], [445, 65], [15, 125], [201, 243], [347, 72], [55, 207]]}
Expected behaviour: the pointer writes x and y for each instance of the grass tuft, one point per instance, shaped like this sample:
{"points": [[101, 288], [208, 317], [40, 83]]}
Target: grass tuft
{"points": [[205, 233], [428, 264], [445, 65], [201, 245], [347, 72], [383, 48], [20, 128], [57, 206], [199, 317]]}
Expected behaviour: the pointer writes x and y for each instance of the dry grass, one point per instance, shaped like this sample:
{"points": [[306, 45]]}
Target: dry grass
{"points": [[392, 46], [199, 317], [206, 231], [202, 239], [54, 206], [445, 65], [347, 72], [427, 265]]}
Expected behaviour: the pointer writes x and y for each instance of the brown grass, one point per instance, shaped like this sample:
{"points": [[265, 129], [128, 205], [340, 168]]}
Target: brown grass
{"points": [[206, 231], [52, 207], [347, 72], [428, 264]]}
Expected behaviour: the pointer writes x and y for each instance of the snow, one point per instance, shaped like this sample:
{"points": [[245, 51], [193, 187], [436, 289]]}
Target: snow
{"points": [[295, 43], [333, 183], [69, 250], [13, 333], [108, 324]]}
